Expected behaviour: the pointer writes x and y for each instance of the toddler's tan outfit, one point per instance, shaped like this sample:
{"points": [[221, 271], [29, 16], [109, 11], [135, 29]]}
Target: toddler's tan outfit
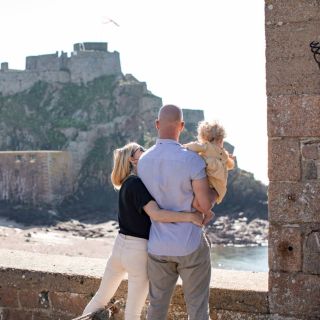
{"points": [[218, 163]]}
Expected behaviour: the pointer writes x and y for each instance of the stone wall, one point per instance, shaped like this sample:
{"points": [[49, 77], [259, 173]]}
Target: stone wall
{"points": [[35, 176], [40, 287], [293, 89], [14, 81], [83, 66], [192, 116]]}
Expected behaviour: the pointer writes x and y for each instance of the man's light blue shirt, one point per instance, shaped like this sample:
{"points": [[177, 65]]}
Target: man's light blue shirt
{"points": [[167, 170]]}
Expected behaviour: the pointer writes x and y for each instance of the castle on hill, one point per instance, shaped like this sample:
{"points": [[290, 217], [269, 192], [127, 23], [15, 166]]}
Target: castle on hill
{"points": [[89, 60]]}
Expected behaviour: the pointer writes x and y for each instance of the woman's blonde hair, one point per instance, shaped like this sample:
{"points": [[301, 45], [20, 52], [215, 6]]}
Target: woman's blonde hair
{"points": [[210, 131], [121, 164]]}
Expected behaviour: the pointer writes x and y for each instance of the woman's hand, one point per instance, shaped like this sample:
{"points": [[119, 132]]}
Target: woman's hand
{"points": [[208, 217], [196, 218]]}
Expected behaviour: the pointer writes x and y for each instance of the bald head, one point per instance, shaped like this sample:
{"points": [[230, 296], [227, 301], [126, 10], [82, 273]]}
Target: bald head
{"points": [[170, 122], [170, 114]]}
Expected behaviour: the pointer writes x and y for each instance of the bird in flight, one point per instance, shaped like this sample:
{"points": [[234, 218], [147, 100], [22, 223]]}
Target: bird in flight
{"points": [[108, 20]]}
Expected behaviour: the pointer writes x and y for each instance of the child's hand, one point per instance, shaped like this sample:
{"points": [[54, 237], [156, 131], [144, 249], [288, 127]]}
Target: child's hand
{"points": [[232, 157]]}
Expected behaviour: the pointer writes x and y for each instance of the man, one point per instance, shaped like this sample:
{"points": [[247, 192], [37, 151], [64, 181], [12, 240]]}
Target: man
{"points": [[173, 176]]}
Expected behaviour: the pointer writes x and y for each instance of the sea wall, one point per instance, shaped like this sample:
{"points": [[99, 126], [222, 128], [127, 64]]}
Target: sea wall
{"points": [[35, 177], [35, 286]]}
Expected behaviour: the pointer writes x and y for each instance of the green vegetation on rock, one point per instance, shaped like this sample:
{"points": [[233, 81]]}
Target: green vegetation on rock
{"points": [[90, 121]]}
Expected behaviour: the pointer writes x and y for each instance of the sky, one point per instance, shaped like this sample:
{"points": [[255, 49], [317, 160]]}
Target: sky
{"points": [[197, 54]]}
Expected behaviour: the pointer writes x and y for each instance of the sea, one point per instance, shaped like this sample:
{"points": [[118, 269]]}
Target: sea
{"points": [[245, 258]]}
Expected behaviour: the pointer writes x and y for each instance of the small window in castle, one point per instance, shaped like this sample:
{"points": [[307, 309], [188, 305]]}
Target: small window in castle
{"points": [[32, 158], [18, 158]]}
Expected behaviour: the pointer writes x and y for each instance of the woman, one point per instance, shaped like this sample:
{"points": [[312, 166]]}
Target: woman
{"points": [[129, 254]]}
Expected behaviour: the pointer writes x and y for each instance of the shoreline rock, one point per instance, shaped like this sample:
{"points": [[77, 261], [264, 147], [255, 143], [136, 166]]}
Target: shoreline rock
{"points": [[228, 231], [223, 231]]}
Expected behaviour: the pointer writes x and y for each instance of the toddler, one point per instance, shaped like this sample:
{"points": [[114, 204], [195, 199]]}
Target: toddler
{"points": [[210, 147]]}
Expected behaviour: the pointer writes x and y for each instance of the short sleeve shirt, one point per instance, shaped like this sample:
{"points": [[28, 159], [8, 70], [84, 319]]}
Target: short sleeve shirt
{"points": [[133, 196], [167, 170]]}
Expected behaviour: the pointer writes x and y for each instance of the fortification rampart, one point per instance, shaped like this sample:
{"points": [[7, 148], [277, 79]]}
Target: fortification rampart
{"points": [[35, 176], [15, 81], [38, 286], [192, 116], [87, 62]]}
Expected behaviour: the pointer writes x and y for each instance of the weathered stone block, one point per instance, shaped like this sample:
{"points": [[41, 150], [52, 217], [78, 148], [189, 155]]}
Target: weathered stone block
{"points": [[34, 299], [291, 202], [291, 40], [245, 301], [311, 252], [42, 315], [284, 159], [233, 315], [309, 170], [283, 11], [178, 298], [292, 76], [310, 149], [285, 249], [8, 297], [294, 116], [73, 303], [17, 314], [294, 294], [45, 281]]}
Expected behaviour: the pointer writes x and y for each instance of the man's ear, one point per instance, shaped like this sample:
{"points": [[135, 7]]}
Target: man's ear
{"points": [[182, 126], [157, 124]]}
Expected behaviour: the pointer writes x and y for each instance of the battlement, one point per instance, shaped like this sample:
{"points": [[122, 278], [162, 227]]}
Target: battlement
{"points": [[88, 61]]}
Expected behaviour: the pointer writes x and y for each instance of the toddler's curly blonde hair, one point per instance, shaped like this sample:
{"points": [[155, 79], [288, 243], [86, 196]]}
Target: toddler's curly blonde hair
{"points": [[210, 131]]}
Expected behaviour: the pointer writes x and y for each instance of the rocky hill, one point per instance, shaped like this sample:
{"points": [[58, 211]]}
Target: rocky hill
{"points": [[91, 120]]}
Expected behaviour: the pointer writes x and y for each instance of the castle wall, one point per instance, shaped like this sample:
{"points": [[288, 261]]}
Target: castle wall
{"points": [[192, 116], [81, 67], [293, 90], [45, 62], [35, 176], [85, 66], [16, 81], [12, 82]]}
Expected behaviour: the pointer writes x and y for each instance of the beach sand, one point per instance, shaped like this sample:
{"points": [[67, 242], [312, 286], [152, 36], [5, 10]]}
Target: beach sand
{"points": [[68, 238], [74, 238]]}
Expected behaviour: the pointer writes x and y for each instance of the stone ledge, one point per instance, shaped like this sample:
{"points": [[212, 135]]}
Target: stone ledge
{"points": [[93, 267], [59, 276]]}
